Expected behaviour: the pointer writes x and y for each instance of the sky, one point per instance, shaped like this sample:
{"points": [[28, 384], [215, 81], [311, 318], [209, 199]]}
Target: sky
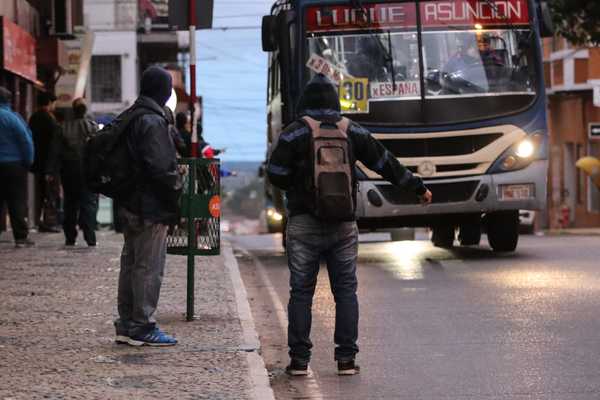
{"points": [[232, 78]]}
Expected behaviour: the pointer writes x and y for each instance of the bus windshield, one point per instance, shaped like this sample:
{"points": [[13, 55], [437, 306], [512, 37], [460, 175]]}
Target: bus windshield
{"points": [[470, 49]]}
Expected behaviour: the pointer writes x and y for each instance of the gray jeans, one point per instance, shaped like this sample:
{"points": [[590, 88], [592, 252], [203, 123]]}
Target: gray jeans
{"points": [[142, 267]]}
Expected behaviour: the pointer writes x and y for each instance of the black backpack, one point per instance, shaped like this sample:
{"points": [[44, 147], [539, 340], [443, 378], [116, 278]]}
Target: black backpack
{"points": [[332, 179], [108, 165]]}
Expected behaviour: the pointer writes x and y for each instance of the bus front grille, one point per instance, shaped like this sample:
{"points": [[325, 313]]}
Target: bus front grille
{"points": [[440, 146], [442, 193]]}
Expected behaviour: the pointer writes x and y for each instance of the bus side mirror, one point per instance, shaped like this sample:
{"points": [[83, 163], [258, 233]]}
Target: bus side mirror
{"points": [[546, 24], [269, 33]]}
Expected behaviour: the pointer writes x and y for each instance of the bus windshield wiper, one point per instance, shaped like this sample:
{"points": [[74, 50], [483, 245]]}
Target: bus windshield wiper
{"points": [[388, 54]]}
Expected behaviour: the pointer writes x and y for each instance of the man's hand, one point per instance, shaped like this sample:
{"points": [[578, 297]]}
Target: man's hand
{"points": [[49, 178], [426, 198]]}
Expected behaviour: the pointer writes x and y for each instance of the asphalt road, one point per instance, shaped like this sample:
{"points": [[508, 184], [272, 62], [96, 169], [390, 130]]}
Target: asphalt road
{"points": [[438, 324]]}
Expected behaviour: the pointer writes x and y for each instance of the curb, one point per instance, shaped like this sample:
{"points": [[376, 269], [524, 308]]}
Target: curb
{"points": [[569, 232], [258, 372]]}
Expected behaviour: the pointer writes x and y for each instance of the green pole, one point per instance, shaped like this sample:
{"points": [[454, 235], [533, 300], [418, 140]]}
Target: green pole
{"points": [[190, 288], [191, 242]]}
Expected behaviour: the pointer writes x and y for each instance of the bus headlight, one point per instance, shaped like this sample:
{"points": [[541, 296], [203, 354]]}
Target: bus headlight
{"points": [[525, 149], [274, 215], [521, 154]]}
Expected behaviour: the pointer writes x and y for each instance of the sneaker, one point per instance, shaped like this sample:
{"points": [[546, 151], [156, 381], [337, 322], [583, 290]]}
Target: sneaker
{"points": [[153, 338], [297, 368], [20, 243], [122, 339], [348, 368], [70, 243]]}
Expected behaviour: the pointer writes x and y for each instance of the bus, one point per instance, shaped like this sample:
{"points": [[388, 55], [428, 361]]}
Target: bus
{"points": [[452, 88]]}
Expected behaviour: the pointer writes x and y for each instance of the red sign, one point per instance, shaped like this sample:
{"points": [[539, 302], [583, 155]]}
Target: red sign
{"points": [[371, 16], [471, 12], [465, 13], [214, 206], [18, 50]]}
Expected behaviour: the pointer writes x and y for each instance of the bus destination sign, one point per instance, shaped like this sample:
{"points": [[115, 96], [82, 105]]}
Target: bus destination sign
{"points": [[434, 14]]}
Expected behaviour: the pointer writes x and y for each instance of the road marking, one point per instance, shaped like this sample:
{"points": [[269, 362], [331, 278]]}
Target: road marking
{"points": [[258, 372], [311, 385]]}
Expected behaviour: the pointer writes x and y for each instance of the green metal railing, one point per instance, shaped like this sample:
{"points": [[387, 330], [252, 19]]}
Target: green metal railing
{"points": [[198, 230]]}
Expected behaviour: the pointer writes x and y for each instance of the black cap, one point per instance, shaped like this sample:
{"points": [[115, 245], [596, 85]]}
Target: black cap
{"points": [[319, 94], [157, 84]]}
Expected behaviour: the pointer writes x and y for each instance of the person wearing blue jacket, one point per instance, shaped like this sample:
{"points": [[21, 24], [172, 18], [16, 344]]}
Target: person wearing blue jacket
{"points": [[16, 156]]}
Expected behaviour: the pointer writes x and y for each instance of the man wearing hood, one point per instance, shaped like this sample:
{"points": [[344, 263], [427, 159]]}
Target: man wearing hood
{"points": [[146, 214], [309, 238]]}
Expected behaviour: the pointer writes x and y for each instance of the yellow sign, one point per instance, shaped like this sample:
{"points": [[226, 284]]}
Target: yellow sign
{"points": [[354, 95], [591, 166]]}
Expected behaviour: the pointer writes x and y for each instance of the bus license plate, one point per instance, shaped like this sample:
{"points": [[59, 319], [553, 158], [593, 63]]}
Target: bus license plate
{"points": [[516, 192]]}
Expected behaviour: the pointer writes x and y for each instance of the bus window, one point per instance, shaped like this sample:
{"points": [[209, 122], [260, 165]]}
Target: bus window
{"points": [[478, 62]]}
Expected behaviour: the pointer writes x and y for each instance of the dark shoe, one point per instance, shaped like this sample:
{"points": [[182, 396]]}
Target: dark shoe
{"points": [[153, 338], [70, 243], [92, 244], [297, 368], [348, 368], [20, 243]]}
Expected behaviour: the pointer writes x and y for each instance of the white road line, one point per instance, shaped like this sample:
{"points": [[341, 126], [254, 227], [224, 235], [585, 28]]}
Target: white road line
{"points": [[258, 372], [311, 383]]}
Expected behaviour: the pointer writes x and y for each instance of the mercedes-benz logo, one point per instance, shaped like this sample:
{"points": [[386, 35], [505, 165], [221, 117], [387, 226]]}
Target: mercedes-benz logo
{"points": [[426, 169]]}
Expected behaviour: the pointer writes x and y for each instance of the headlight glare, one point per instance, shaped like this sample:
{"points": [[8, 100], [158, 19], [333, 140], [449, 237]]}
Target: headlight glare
{"points": [[525, 149]]}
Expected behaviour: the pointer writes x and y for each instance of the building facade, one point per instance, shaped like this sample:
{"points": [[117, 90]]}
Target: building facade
{"points": [[571, 73]]}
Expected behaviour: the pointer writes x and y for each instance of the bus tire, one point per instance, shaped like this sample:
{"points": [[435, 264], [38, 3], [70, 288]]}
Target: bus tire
{"points": [[503, 230], [469, 235], [443, 236]]}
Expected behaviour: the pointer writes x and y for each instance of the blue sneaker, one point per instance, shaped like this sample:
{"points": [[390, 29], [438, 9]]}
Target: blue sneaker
{"points": [[153, 338]]}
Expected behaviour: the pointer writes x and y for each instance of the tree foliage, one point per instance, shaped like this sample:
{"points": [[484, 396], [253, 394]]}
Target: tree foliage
{"points": [[577, 20]]}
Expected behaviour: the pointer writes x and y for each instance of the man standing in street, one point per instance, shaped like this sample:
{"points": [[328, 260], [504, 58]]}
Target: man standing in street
{"points": [[146, 214], [80, 205], [16, 156], [46, 132], [310, 237]]}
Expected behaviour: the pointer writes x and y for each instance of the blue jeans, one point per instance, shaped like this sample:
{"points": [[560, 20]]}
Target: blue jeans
{"points": [[308, 241]]}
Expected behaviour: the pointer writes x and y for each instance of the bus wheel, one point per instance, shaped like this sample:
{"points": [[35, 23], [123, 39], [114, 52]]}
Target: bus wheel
{"points": [[443, 236], [469, 235], [503, 230]]}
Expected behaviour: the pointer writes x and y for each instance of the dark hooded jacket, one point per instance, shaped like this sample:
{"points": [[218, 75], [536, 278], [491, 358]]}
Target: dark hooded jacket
{"points": [[155, 197], [289, 164]]}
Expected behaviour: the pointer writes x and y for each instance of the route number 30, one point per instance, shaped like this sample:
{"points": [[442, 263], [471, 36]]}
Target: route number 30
{"points": [[353, 95]]}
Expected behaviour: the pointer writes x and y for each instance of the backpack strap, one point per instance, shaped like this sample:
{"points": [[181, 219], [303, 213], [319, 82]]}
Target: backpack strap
{"points": [[313, 124], [343, 125]]}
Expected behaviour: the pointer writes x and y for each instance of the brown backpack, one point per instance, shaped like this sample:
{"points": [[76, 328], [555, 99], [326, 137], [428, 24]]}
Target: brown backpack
{"points": [[331, 179]]}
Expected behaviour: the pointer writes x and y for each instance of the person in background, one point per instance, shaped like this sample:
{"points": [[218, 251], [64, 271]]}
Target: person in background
{"points": [[16, 156], [183, 125], [46, 132], [80, 205]]}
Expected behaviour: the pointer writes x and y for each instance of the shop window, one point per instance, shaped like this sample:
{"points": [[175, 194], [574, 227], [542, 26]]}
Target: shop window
{"points": [[106, 79]]}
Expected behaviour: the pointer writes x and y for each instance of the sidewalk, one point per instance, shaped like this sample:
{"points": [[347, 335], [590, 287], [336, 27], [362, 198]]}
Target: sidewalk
{"points": [[574, 231], [56, 333]]}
